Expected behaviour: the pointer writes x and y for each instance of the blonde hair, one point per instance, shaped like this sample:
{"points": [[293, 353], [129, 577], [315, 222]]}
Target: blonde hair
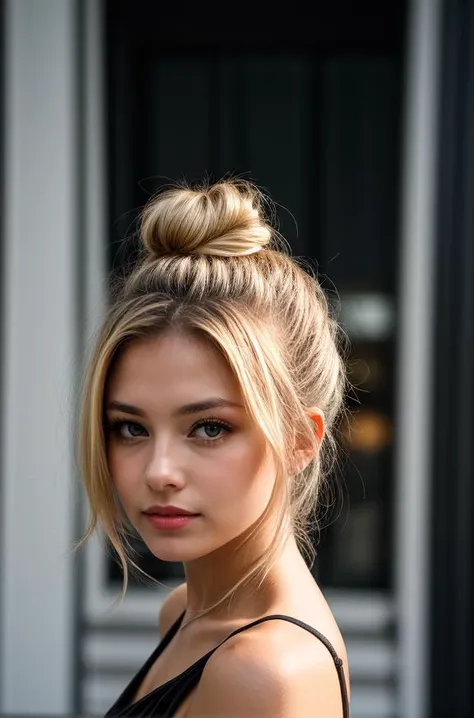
{"points": [[213, 266]]}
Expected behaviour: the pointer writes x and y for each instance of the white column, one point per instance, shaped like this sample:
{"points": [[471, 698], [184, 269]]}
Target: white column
{"points": [[95, 171], [415, 358], [38, 364]]}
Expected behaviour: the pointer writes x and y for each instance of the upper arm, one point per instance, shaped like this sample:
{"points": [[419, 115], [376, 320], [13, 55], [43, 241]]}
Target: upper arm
{"points": [[173, 606], [241, 679]]}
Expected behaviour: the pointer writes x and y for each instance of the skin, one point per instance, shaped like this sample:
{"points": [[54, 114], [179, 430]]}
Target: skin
{"points": [[214, 462]]}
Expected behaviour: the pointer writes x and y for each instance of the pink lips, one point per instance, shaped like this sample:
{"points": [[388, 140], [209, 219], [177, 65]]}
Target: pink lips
{"points": [[169, 518], [168, 511]]}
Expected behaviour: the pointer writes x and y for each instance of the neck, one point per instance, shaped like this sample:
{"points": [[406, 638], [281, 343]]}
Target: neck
{"points": [[211, 577]]}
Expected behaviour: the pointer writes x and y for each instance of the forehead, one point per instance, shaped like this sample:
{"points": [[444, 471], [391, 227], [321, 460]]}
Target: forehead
{"points": [[178, 367]]}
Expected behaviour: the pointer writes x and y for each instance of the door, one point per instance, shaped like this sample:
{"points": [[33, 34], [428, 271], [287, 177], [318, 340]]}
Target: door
{"points": [[312, 113]]}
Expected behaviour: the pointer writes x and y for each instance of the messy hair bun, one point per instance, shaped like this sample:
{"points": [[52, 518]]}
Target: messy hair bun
{"points": [[225, 219]]}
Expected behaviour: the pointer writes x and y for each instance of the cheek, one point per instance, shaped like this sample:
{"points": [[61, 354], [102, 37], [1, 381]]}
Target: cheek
{"points": [[243, 482], [120, 470]]}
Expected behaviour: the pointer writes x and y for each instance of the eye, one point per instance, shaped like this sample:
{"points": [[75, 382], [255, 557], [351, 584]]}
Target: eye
{"points": [[128, 429], [210, 430]]}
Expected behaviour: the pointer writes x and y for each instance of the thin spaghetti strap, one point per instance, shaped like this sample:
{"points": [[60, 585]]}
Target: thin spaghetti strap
{"points": [[338, 662], [171, 632]]}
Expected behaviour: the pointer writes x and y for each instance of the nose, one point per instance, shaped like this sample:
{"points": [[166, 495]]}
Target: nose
{"points": [[163, 470]]}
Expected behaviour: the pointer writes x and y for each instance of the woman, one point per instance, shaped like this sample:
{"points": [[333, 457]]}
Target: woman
{"points": [[205, 427]]}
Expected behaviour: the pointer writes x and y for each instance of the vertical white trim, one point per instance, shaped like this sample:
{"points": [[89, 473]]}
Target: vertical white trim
{"points": [[96, 275], [38, 372], [95, 168], [415, 365]]}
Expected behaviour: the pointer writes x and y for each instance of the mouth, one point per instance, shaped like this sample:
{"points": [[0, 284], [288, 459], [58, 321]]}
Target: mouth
{"points": [[169, 522], [169, 512]]}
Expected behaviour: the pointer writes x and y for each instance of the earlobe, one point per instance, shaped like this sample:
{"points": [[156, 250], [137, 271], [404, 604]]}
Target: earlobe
{"points": [[303, 455]]}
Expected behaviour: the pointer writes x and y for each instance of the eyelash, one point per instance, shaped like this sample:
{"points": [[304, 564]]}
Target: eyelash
{"points": [[116, 426], [216, 422]]}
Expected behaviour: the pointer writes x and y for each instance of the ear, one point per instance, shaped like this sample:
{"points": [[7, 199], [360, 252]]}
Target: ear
{"points": [[305, 454]]}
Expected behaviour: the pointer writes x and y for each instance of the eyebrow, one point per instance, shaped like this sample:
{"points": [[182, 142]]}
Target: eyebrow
{"points": [[186, 410]]}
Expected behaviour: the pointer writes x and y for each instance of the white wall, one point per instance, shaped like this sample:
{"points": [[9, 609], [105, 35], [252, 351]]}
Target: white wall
{"points": [[38, 367]]}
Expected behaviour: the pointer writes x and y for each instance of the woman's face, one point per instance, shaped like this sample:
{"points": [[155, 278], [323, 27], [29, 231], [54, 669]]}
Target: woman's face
{"points": [[179, 436]]}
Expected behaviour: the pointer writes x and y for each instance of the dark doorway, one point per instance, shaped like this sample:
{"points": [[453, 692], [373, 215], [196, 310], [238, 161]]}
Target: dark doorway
{"points": [[310, 109]]}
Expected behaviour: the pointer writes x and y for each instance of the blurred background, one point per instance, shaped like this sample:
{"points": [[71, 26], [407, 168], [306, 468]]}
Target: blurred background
{"points": [[358, 119]]}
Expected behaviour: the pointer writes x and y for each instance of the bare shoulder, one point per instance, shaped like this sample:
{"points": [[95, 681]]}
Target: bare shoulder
{"points": [[173, 606], [269, 671]]}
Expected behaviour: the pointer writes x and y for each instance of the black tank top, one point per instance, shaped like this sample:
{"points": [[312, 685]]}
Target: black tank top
{"points": [[165, 700]]}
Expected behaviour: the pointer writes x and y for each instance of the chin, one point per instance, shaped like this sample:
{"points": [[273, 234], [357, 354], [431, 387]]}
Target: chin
{"points": [[181, 551], [175, 551]]}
